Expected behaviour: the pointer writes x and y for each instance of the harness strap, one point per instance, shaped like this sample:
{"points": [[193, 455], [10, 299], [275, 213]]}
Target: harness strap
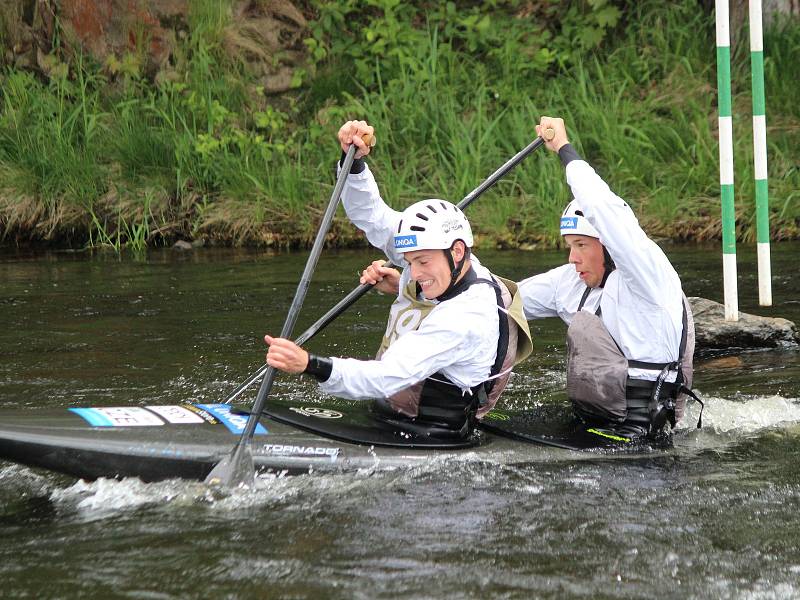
{"points": [[502, 344], [502, 338], [586, 293], [641, 364], [691, 394]]}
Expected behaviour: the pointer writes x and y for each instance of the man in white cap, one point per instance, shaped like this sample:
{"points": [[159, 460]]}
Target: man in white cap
{"points": [[450, 342], [630, 335]]}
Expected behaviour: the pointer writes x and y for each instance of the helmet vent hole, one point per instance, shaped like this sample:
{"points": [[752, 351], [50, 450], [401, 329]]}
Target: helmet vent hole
{"points": [[399, 225], [431, 208], [416, 228], [444, 206], [421, 216], [579, 213]]}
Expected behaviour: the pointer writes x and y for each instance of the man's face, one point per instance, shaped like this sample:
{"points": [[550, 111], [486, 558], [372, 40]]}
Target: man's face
{"points": [[586, 253], [430, 269]]}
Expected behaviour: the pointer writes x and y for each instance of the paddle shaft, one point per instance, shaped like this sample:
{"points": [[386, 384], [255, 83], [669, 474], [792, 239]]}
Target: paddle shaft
{"points": [[362, 289], [302, 289]]}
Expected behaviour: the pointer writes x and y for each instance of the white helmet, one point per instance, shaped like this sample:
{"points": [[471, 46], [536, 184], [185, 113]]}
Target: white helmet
{"points": [[432, 225], [573, 222]]}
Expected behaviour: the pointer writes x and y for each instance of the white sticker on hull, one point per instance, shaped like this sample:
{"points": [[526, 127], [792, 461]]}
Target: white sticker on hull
{"points": [[118, 416], [176, 414], [292, 450], [188, 414], [320, 413]]}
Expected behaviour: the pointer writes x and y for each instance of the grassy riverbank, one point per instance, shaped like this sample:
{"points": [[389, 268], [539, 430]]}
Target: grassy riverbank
{"points": [[99, 155]]}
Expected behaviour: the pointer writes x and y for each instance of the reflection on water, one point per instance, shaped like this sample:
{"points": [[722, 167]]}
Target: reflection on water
{"points": [[715, 517]]}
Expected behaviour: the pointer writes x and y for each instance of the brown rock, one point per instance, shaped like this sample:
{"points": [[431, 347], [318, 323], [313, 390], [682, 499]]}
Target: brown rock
{"points": [[728, 362], [713, 332]]}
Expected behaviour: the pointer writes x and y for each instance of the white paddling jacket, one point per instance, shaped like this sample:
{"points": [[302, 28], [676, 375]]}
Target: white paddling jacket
{"points": [[456, 339], [641, 303]]}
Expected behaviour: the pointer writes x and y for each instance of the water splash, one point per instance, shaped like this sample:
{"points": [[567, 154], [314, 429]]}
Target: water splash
{"points": [[722, 416], [18, 480]]}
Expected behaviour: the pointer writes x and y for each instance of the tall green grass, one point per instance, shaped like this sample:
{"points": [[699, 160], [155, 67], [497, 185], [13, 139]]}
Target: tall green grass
{"points": [[99, 159]]}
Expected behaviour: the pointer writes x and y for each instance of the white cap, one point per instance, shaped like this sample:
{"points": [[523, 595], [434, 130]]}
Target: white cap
{"points": [[574, 223], [432, 225]]}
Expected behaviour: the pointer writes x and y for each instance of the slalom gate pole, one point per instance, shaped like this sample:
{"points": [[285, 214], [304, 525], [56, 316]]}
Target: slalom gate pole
{"points": [[760, 154], [722, 13]]}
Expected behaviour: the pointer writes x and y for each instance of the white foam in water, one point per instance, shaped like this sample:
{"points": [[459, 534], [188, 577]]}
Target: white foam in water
{"points": [[106, 498], [727, 416], [13, 476]]}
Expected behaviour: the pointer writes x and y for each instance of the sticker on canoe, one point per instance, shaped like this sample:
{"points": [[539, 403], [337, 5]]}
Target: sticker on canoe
{"points": [[290, 450], [496, 415], [176, 415], [320, 413], [118, 416], [235, 423], [135, 416]]}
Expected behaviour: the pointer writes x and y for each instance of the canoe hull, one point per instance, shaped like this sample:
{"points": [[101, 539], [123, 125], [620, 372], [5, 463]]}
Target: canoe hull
{"points": [[186, 441]]}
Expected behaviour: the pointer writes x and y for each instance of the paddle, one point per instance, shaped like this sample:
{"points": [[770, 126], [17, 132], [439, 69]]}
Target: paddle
{"points": [[362, 289], [237, 468]]}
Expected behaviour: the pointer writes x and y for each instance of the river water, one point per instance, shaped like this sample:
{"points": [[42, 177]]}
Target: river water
{"points": [[717, 516]]}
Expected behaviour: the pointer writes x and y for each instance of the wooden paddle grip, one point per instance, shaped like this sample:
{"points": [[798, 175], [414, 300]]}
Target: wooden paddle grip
{"points": [[369, 139]]}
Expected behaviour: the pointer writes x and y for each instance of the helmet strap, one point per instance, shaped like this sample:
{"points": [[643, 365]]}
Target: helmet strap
{"points": [[455, 268], [608, 265]]}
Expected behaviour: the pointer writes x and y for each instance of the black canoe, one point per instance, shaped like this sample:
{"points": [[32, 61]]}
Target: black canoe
{"points": [[187, 440]]}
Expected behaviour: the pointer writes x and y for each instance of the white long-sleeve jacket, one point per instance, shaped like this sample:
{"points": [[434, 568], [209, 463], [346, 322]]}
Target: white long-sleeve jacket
{"points": [[641, 302], [458, 337]]}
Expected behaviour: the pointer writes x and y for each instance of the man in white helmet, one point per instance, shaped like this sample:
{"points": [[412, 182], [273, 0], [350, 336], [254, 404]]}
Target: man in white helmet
{"points": [[450, 342], [630, 335]]}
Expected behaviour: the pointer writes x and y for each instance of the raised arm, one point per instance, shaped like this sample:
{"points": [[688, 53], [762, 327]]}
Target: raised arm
{"points": [[639, 260], [361, 198]]}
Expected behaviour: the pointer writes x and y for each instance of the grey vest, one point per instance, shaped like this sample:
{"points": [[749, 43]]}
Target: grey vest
{"points": [[597, 371]]}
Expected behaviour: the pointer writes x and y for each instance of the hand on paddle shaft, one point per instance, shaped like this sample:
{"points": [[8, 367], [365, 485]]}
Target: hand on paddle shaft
{"points": [[354, 132], [285, 355], [553, 131], [381, 277]]}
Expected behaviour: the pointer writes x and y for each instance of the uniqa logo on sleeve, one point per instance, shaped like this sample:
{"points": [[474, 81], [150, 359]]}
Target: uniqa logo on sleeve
{"points": [[569, 222], [405, 241]]}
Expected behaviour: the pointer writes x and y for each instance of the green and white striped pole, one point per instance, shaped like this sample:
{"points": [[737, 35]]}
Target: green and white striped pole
{"points": [[760, 154], [726, 160]]}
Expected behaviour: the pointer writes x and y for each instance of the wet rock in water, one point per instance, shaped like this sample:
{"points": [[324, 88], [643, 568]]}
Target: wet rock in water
{"points": [[713, 332], [727, 362], [182, 245]]}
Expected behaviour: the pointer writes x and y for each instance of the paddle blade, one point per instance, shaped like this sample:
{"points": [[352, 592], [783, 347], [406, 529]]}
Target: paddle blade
{"points": [[235, 470]]}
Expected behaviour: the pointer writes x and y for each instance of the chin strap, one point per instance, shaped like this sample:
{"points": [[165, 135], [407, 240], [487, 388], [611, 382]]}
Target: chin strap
{"points": [[608, 265], [455, 269]]}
